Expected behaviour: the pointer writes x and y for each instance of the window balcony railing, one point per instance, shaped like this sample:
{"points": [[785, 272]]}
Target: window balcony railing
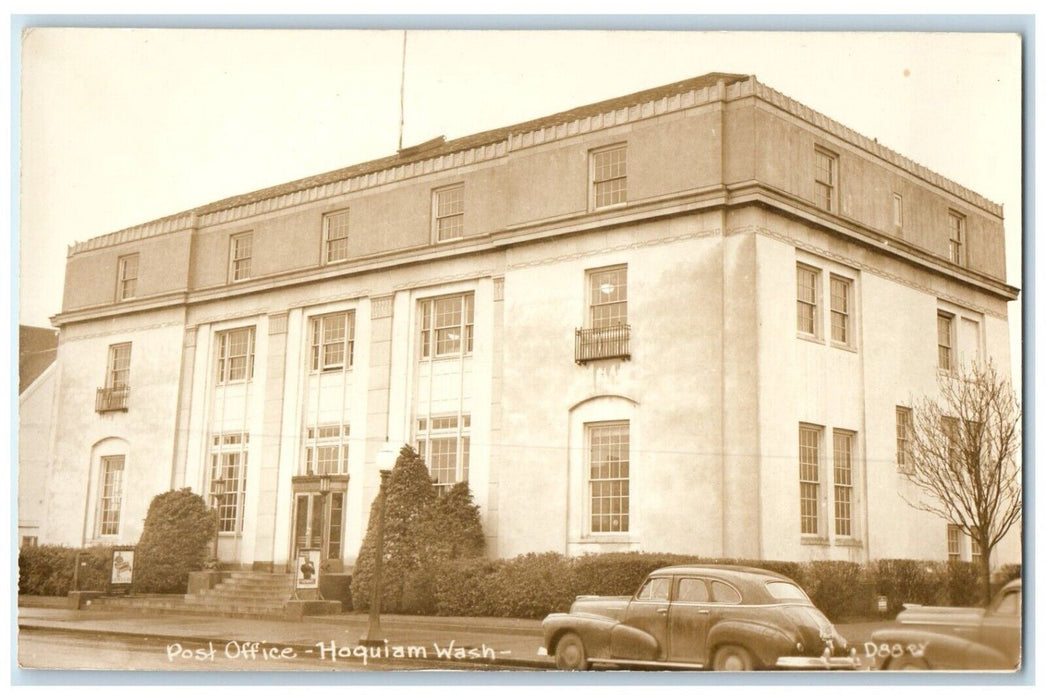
{"points": [[602, 343], [111, 399]]}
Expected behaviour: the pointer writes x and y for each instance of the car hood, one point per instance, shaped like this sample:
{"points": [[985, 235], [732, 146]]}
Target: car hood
{"points": [[939, 615], [603, 605]]}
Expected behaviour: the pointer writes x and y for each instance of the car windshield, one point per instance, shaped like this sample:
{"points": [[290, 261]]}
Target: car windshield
{"points": [[783, 590]]}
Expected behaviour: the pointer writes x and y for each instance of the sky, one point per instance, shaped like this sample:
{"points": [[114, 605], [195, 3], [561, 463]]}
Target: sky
{"points": [[122, 126]]}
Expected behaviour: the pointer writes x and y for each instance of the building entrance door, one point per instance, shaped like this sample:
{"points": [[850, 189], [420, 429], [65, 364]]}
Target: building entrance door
{"points": [[319, 522]]}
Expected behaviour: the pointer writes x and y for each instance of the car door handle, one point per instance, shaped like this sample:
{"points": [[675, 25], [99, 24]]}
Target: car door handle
{"points": [[702, 612], [663, 611]]}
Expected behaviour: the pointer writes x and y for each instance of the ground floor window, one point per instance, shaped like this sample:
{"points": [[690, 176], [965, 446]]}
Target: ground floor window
{"points": [[229, 479], [110, 495], [444, 443], [608, 477]]}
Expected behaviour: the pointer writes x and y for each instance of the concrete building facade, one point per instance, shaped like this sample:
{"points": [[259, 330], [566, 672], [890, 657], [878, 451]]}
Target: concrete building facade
{"points": [[686, 320]]}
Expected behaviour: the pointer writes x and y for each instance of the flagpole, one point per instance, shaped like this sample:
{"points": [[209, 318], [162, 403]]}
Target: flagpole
{"points": [[403, 72]]}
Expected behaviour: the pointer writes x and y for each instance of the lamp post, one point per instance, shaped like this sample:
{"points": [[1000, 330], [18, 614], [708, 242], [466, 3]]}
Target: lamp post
{"points": [[374, 635], [217, 489]]}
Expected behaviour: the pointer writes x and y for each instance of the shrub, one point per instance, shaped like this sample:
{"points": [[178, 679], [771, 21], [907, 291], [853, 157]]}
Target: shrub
{"points": [[839, 588], [1004, 575], [619, 573], [465, 587], [909, 581], [532, 585], [421, 531], [178, 528], [963, 584], [48, 570], [457, 523], [408, 536]]}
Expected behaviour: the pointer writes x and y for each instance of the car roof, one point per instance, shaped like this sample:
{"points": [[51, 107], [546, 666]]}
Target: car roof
{"points": [[720, 569]]}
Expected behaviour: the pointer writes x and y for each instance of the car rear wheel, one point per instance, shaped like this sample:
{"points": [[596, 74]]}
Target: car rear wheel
{"points": [[732, 658], [908, 663], [570, 653]]}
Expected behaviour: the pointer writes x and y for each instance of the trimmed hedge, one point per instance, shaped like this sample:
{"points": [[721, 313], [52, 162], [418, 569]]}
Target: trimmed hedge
{"points": [[175, 540], [534, 585], [48, 570]]}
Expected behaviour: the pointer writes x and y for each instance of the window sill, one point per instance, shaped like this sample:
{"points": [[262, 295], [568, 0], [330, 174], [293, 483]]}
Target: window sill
{"points": [[848, 542], [814, 540], [607, 538], [810, 338], [608, 207], [844, 346]]}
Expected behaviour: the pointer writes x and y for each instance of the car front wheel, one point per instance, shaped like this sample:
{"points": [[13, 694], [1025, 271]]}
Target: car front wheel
{"points": [[732, 658], [570, 653]]}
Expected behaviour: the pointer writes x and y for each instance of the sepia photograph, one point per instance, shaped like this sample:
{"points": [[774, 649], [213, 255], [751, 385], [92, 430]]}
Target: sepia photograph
{"points": [[357, 350]]}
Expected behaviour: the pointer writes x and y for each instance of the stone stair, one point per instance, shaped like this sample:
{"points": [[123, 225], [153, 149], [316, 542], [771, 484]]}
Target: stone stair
{"points": [[241, 594]]}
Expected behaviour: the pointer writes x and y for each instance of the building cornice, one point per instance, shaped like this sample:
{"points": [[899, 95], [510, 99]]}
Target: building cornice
{"points": [[312, 191]]}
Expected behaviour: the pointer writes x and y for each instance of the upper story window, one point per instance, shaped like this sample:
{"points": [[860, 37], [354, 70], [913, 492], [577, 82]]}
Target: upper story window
{"points": [[898, 210], [842, 324], [447, 325], [449, 206], [608, 477], [608, 333], [110, 496], [807, 292], [327, 449], [945, 341], [336, 236], [444, 444], [235, 355], [332, 341], [127, 277], [956, 238], [609, 176], [826, 173], [608, 297], [113, 396], [240, 248]]}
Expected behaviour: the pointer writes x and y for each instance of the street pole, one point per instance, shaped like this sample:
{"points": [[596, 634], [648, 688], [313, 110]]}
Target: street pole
{"points": [[374, 635]]}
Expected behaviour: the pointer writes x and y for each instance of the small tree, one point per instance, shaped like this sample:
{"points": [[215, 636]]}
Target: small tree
{"points": [[409, 496], [421, 530], [963, 454], [178, 528], [457, 524]]}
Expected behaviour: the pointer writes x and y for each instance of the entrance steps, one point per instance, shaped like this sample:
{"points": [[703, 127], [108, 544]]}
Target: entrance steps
{"points": [[240, 594]]}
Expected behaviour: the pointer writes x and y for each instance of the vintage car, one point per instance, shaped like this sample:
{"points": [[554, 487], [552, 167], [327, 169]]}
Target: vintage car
{"points": [[728, 618], [933, 638]]}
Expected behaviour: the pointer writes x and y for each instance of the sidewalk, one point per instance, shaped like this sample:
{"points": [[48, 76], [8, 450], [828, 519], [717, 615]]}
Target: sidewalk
{"points": [[495, 641]]}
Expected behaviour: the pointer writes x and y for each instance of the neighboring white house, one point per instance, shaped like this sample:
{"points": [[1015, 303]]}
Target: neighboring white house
{"points": [[37, 348], [685, 320]]}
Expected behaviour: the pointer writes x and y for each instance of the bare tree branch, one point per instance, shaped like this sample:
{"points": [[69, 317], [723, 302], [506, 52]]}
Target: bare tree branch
{"points": [[963, 451]]}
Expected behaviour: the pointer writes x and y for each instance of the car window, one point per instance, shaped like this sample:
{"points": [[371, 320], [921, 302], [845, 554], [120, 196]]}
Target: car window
{"points": [[723, 593], [654, 589], [692, 590], [783, 590], [1010, 604]]}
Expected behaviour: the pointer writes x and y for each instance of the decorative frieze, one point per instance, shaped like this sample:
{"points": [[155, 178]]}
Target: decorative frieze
{"points": [[381, 307], [277, 323]]}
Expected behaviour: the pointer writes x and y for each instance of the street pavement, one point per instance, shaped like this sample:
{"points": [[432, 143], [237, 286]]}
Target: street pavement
{"points": [[421, 642]]}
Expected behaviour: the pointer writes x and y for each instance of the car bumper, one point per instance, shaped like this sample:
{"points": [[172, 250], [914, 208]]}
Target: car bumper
{"points": [[818, 663]]}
